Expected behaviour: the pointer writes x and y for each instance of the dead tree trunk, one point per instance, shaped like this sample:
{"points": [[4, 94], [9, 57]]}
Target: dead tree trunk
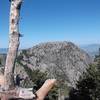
{"points": [[13, 43], [10, 90]]}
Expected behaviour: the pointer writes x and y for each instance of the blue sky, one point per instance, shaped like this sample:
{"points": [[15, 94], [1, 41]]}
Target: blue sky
{"points": [[54, 20]]}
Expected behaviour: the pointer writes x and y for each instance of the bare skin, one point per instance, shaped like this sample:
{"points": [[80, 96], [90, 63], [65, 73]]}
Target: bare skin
{"points": [[41, 93]]}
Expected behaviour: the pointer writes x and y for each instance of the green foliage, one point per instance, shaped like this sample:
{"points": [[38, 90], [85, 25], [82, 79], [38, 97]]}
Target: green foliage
{"points": [[38, 77], [88, 86]]}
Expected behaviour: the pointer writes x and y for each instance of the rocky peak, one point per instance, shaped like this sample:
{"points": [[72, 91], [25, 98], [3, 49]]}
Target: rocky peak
{"points": [[62, 60]]}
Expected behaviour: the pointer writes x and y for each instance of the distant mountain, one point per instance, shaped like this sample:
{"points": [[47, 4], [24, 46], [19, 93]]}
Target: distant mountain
{"points": [[3, 50], [91, 49]]}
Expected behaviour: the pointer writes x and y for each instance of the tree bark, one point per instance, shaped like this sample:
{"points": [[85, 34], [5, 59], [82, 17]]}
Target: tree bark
{"points": [[13, 43], [9, 89]]}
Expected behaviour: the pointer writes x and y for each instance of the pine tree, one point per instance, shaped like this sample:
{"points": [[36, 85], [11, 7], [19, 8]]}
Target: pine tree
{"points": [[88, 86]]}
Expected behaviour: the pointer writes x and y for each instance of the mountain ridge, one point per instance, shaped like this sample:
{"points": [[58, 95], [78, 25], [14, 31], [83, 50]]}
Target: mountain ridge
{"points": [[62, 60], [3, 50], [91, 49]]}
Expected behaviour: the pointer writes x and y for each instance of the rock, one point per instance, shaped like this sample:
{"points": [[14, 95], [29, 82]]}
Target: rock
{"points": [[62, 60]]}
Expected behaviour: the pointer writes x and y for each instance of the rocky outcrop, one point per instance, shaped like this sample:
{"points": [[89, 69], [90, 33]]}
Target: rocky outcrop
{"points": [[62, 60]]}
